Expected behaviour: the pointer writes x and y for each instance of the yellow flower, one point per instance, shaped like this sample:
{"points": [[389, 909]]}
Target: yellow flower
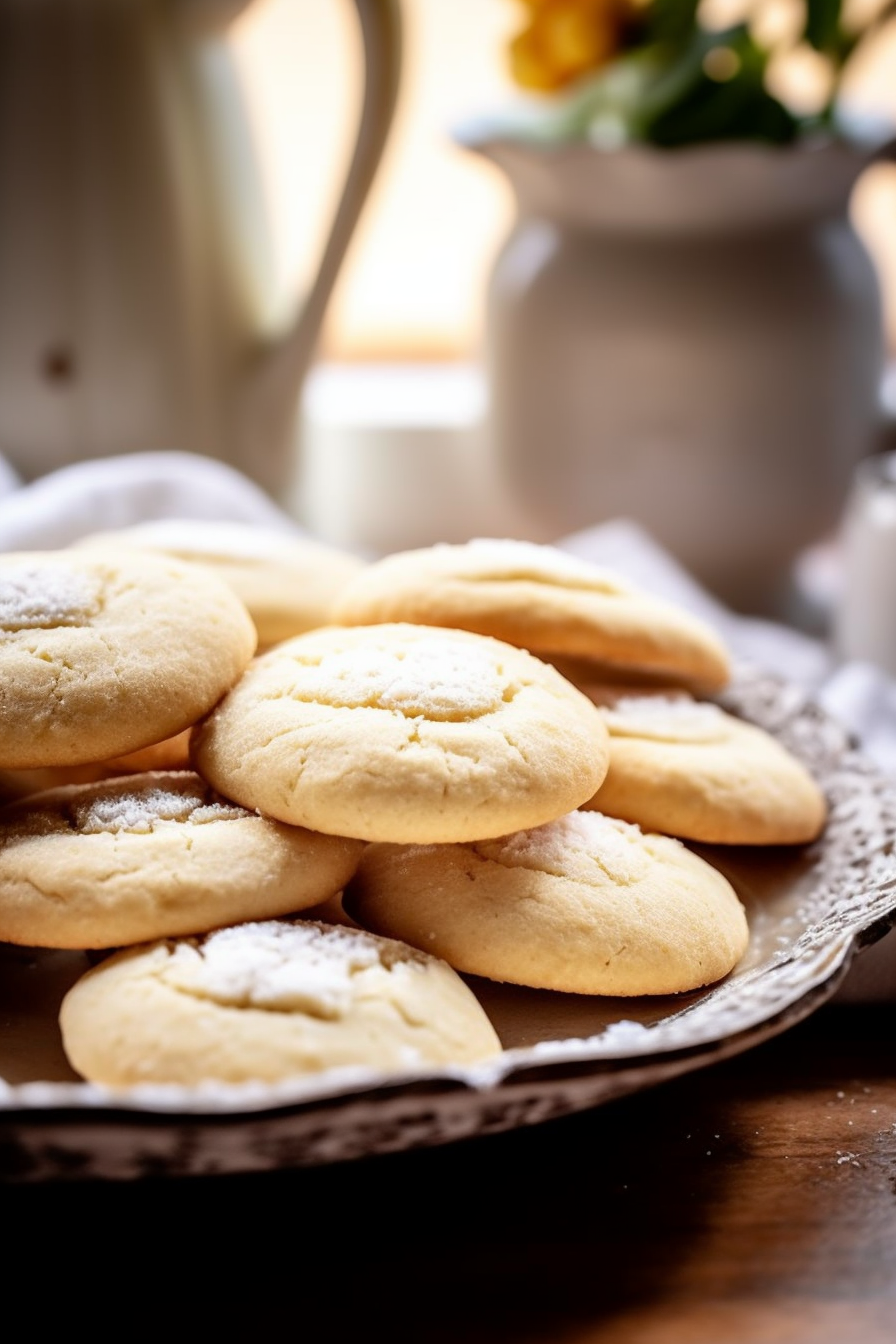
{"points": [[565, 39]]}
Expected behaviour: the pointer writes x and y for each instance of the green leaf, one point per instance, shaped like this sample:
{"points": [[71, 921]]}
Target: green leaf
{"points": [[683, 103], [822, 29], [665, 93], [670, 20]]}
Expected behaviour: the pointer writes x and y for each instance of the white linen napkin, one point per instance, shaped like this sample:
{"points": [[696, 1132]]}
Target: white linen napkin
{"points": [[115, 492]]}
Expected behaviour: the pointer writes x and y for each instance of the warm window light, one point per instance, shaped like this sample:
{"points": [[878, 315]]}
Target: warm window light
{"points": [[870, 84], [721, 64], [414, 279], [803, 77], [413, 286]]}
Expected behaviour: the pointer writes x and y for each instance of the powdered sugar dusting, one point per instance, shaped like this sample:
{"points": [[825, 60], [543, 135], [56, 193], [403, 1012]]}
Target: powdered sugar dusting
{"points": [[433, 678], [302, 967], [619, 1038], [670, 717], [584, 846], [146, 809], [43, 596], [138, 804]]}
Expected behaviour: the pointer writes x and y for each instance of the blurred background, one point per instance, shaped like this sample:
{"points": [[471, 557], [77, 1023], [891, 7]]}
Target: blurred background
{"points": [[401, 385], [172, 168], [413, 284], [414, 281], [401, 380]]}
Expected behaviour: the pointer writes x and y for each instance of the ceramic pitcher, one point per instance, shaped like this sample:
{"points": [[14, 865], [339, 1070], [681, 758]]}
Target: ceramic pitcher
{"points": [[690, 338], [137, 304]]}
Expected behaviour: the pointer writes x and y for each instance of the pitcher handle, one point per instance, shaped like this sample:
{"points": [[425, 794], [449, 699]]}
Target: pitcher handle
{"points": [[267, 410], [380, 22]]}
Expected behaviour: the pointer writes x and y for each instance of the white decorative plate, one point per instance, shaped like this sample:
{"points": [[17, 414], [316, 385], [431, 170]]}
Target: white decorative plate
{"points": [[810, 910]]}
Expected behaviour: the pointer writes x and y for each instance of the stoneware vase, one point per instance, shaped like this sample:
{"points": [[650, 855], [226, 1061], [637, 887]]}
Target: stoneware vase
{"points": [[690, 338]]}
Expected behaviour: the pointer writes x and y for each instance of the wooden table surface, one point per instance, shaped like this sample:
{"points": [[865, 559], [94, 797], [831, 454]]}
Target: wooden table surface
{"points": [[751, 1201]]}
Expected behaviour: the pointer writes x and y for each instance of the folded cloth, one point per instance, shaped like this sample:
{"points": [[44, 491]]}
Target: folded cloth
{"points": [[625, 547], [113, 492], [116, 492]]}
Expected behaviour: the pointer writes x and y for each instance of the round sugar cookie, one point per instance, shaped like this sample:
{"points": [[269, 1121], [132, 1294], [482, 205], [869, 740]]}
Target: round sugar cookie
{"points": [[152, 856], [403, 733], [689, 769], [101, 655], [288, 582], [265, 1002], [172, 754], [586, 904], [541, 599], [15, 784]]}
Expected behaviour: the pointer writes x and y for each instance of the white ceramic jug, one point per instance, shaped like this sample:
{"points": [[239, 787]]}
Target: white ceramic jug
{"points": [[137, 303]]}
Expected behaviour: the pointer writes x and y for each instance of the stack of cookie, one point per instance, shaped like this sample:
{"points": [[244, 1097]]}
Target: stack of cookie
{"points": [[416, 748], [589, 902], [288, 583]]}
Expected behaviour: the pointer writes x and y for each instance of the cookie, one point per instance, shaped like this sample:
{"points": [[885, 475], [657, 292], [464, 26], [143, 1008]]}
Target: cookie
{"points": [[689, 769], [15, 784], [172, 754], [288, 583], [152, 856], [403, 733], [586, 904], [540, 599], [100, 656], [269, 1001]]}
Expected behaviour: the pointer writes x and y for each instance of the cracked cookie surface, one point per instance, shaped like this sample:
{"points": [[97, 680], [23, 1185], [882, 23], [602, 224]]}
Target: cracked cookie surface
{"points": [[103, 655], [267, 1001], [403, 733], [149, 856], [540, 599], [585, 904]]}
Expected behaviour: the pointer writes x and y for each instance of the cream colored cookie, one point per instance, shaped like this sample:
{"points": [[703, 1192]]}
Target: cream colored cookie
{"points": [[399, 732], [172, 754], [541, 599], [15, 784], [691, 770], [586, 904], [152, 856], [100, 655], [267, 1002], [288, 582]]}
